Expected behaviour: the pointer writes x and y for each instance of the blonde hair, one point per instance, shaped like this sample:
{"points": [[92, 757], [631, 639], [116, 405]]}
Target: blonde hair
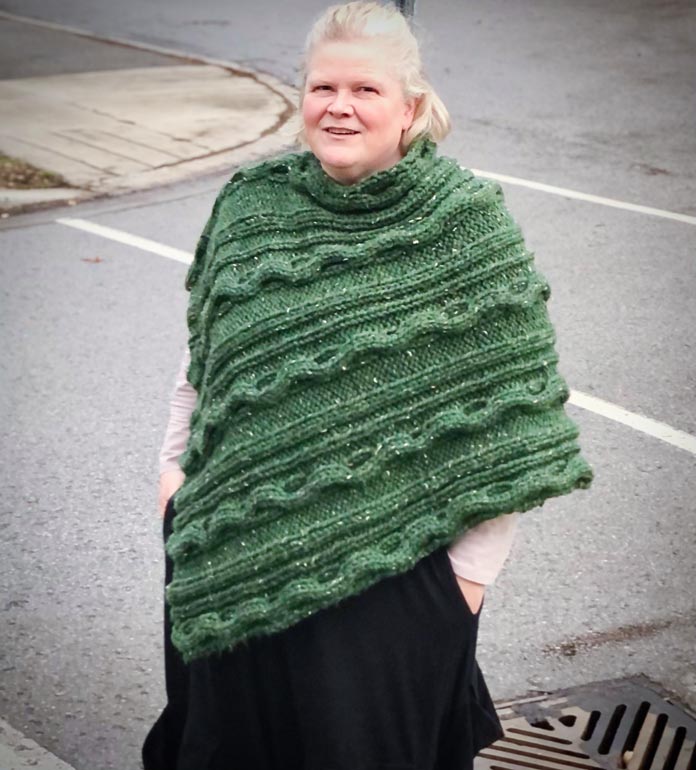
{"points": [[364, 20]]}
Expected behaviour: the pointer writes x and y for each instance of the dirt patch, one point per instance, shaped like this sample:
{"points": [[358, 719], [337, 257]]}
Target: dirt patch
{"points": [[572, 647], [18, 175]]}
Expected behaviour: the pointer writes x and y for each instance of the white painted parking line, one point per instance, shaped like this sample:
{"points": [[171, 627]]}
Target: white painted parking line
{"points": [[18, 752], [580, 196], [130, 240], [659, 430], [606, 409]]}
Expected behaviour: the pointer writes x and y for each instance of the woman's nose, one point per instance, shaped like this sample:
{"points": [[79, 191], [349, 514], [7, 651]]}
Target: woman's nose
{"points": [[341, 104]]}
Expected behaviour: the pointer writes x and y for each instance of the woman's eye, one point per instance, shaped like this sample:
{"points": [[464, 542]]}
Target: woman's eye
{"points": [[320, 88], [368, 88]]}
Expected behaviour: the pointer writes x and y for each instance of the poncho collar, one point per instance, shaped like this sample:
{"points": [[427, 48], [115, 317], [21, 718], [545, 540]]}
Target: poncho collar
{"points": [[377, 191]]}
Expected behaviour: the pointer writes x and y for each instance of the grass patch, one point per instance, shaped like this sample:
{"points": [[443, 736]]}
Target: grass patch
{"points": [[19, 175]]}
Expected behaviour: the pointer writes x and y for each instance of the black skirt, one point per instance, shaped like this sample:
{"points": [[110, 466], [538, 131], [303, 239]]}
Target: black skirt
{"points": [[383, 680]]}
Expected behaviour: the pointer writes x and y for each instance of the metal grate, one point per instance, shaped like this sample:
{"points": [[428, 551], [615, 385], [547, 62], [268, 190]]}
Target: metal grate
{"points": [[614, 724]]}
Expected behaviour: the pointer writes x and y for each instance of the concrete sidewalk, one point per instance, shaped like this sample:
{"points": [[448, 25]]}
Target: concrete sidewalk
{"points": [[111, 117]]}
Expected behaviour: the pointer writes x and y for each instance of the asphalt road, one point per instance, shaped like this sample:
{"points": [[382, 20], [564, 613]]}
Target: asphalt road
{"points": [[595, 97]]}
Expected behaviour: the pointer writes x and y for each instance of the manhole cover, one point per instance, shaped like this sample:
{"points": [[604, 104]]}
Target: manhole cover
{"points": [[614, 724]]}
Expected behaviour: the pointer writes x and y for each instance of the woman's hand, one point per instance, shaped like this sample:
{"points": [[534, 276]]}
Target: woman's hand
{"points": [[473, 593], [169, 482]]}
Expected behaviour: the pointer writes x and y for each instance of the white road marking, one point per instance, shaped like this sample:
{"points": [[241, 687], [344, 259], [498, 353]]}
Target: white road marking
{"points": [[659, 430], [580, 196], [131, 240]]}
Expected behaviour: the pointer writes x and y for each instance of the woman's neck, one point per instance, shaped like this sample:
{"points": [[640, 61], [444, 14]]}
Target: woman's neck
{"points": [[351, 175], [375, 190]]}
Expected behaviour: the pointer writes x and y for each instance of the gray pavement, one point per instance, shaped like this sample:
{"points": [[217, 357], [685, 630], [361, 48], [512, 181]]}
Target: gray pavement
{"points": [[113, 118]]}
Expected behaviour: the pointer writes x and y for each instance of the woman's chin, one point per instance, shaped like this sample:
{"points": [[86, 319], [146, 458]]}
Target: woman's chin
{"points": [[340, 157]]}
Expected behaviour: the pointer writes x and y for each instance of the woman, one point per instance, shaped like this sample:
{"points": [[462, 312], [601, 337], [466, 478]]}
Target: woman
{"points": [[368, 396]]}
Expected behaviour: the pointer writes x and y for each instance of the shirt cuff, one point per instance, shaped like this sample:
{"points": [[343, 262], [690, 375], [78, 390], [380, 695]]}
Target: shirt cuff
{"points": [[480, 553]]}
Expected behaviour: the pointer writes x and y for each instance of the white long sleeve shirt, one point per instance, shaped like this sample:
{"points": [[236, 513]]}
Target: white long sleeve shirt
{"points": [[478, 554]]}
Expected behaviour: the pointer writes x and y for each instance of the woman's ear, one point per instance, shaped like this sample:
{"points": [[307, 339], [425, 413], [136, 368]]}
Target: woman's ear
{"points": [[410, 111]]}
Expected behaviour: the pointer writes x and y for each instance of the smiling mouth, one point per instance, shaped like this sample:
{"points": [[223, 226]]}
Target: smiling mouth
{"points": [[341, 133]]}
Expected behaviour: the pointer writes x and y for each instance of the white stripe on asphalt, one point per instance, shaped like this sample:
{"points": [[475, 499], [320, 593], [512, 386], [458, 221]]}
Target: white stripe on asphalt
{"points": [[580, 196], [130, 240], [659, 430]]}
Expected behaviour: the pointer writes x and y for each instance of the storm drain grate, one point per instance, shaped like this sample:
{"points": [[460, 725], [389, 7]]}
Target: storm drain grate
{"points": [[614, 724]]}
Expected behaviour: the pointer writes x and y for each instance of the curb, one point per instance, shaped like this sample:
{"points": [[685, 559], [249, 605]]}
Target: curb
{"points": [[276, 138], [17, 752]]}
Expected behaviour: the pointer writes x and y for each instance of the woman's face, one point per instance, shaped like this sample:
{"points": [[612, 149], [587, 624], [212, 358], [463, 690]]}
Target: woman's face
{"points": [[351, 86]]}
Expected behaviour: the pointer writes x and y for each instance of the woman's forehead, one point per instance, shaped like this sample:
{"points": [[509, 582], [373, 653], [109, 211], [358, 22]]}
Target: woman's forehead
{"points": [[366, 57]]}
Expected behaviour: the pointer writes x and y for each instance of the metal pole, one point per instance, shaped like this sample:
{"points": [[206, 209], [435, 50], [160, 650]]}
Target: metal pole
{"points": [[407, 7]]}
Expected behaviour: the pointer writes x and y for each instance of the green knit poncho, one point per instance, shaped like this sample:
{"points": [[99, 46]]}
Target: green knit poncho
{"points": [[376, 373]]}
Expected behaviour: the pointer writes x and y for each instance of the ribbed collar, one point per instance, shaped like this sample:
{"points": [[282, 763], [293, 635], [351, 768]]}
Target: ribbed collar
{"points": [[376, 191]]}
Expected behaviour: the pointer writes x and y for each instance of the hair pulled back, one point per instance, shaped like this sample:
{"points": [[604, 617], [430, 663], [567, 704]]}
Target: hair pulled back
{"points": [[367, 20]]}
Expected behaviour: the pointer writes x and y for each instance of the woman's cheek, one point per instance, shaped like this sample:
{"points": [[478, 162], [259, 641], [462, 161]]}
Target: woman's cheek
{"points": [[312, 111], [307, 105]]}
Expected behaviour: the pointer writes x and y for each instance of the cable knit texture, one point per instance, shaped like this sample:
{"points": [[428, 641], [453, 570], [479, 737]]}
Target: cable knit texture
{"points": [[376, 373]]}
